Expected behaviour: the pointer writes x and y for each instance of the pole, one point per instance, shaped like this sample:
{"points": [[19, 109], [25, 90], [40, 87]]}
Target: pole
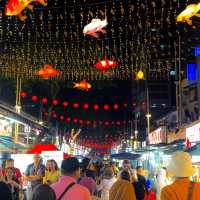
{"points": [[179, 82], [17, 105]]}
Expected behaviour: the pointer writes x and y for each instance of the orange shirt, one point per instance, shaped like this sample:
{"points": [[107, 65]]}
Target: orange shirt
{"points": [[179, 190]]}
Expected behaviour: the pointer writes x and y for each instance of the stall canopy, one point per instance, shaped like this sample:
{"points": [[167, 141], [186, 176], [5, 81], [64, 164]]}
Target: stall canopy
{"points": [[194, 150], [7, 144], [128, 156], [38, 148]]}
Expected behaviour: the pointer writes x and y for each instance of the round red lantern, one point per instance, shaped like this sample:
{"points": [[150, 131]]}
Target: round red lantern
{"points": [[23, 94], [55, 102], [118, 123], [96, 107], [54, 115], [88, 122], [44, 100], [68, 119], [106, 107], [85, 106], [106, 123], [34, 98], [81, 121], [75, 105], [45, 114], [62, 117], [65, 103], [75, 120], [116, 106]]}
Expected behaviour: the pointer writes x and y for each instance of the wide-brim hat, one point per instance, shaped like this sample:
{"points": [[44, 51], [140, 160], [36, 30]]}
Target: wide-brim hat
{"points": [[180, 164]]}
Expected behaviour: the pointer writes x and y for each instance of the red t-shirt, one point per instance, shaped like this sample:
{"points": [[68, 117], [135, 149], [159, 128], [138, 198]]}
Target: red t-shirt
{"points": [[17, 173], [150, 196]]}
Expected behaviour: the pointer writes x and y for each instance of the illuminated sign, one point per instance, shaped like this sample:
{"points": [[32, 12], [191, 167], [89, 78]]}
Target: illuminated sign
{"points": [[158, 136], [197, 50], [191, 72], [193, 133]]}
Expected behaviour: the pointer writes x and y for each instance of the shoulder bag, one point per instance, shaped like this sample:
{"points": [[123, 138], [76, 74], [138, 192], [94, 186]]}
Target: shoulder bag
{"points": [[65, 191]]}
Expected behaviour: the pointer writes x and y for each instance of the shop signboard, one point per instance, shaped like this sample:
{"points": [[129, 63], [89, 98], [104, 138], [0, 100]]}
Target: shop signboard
{"points": [[193, 133], [158, 136]]}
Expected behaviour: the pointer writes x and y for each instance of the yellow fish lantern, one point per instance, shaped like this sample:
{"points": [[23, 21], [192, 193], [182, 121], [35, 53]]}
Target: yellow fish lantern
{"points": [[190, 11], [140, 75]]}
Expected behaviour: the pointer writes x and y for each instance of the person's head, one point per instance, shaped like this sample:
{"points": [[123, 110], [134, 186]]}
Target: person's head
{"points": [[42, 192], [51, 165], [125, 175], [90, 173], [5, 191], [85, 163], [126, 165], [9, 163], [36, 159], [70, 167], [108, 173], [9, 172], [92, 167], [139, 170], [180, 165]]}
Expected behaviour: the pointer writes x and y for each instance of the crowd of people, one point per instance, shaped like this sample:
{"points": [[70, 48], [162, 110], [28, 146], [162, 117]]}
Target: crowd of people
{"points": [[96, 181]]}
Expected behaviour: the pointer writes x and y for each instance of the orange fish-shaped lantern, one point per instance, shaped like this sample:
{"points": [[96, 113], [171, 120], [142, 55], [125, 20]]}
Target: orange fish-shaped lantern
{"points": [[83, 85], [15, 7], [48, 71]]}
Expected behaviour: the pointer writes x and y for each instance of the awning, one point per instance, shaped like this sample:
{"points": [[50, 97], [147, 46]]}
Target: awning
{"points": [[128, 156], [38, 148], [7, 144], [195, 150]]}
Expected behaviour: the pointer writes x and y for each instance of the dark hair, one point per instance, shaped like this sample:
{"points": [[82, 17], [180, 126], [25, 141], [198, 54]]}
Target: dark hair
{"points": [[138, 167], [126, 162], [55, 163], [125, 175], [70, 165], [43, 191], [10, 160], [5, 191], [85, 163]]}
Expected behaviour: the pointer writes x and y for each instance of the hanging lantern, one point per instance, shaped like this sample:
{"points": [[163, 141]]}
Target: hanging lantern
{"points": [[34, 98], [116, 106], [55, 102], [44, 100], [96, 107], [62, 117], [68, 119], [106, 107], [45, 114], [65, 103], [81, 121], [118, 123], [75, 105], [107, 123], [88, 122], [54, 115], [85, 106], [23, 94], [47, 72], [106, 64], [140, 75], [75, 120]]}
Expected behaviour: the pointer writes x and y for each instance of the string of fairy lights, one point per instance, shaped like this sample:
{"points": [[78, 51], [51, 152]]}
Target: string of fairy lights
{"points": [[141, 35]]}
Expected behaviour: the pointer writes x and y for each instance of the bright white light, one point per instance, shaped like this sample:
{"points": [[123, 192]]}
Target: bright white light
{"points": [[148, 115]]}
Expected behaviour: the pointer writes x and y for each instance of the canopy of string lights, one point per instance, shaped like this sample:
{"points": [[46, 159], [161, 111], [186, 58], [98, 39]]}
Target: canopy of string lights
{"points": [[140, 35]]}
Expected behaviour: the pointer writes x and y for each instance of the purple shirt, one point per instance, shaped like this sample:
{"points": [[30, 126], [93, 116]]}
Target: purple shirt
{"points": [[76, 192], [89, 183]]}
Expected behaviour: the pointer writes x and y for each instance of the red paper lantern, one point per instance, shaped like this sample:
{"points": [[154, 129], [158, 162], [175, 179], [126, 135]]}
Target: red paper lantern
{"points": [[65, 103], [75, 105], [55, 102], [107, 123], [44, 100], [85, 106], [34, 98], [88, 122], [96, 107], [68, 119], [23, 94], [45, 114], [116, 106], [106, 107], [81, 121], [62, 117], [118, 123], [54, 115], [75, 120]]}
